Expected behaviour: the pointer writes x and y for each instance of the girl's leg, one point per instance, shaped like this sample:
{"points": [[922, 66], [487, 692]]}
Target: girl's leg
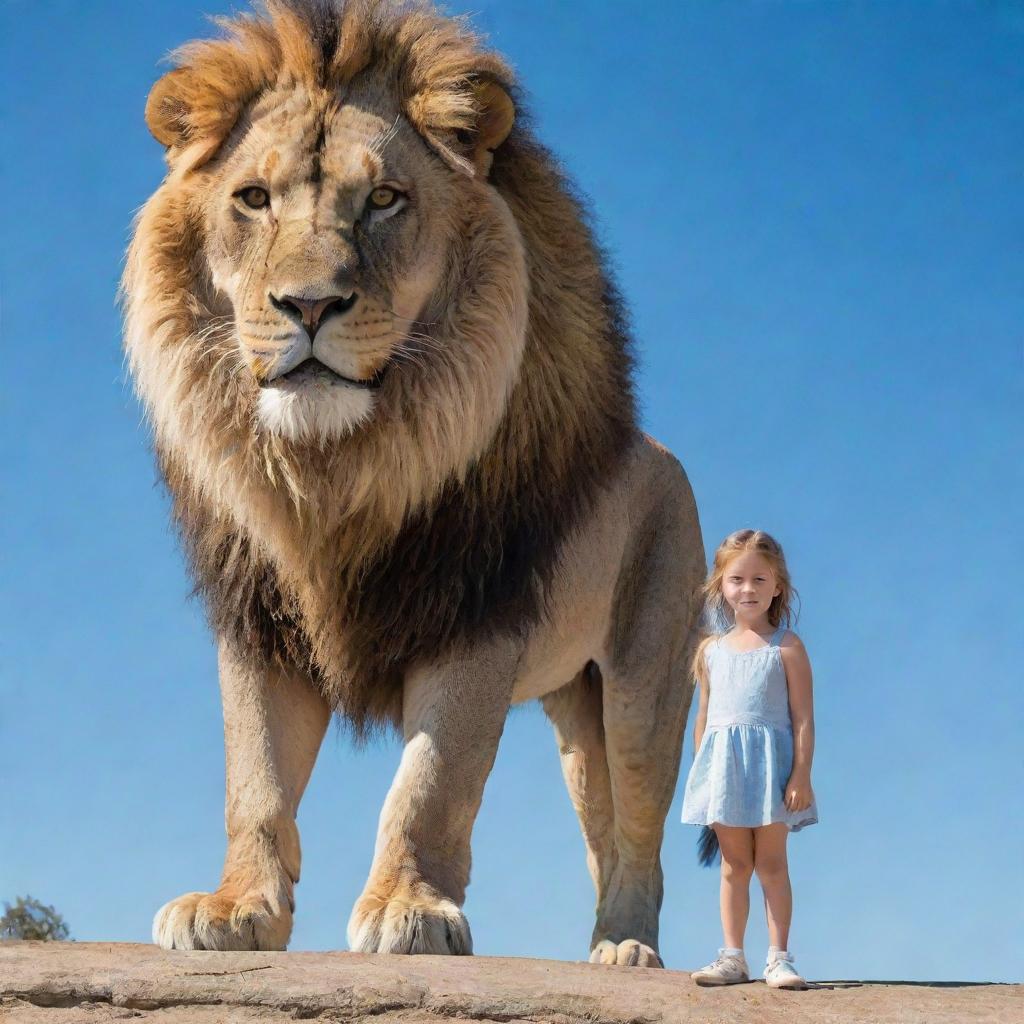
{"points": [[737, 846], [772, 869]]}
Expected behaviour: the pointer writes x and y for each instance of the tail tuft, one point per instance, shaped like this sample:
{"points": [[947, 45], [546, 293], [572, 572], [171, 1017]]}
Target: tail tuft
{"points": [[707, 847]]}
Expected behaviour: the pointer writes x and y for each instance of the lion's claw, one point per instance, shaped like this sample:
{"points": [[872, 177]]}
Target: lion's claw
{"points": [[200, 920], [628, 953], [409, 924]]}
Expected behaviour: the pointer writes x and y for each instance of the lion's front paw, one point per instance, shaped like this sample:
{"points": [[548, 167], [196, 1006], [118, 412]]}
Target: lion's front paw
{"points": [[408, 922], [201, 920], [628, 953]]}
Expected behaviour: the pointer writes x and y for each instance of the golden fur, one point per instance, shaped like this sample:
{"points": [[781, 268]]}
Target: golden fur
{"points": [[429, 499], [508, 397]]}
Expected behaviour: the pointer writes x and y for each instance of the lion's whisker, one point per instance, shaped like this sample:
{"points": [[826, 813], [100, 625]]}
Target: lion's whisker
{"points": [[379, 144]]}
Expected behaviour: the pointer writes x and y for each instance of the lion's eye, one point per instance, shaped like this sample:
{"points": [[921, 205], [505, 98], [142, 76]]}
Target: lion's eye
{"points": [[254, 197], [382, 198]]}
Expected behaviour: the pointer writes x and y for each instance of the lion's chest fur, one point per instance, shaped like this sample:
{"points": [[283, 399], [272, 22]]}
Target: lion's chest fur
{"points": [[481, 558]]}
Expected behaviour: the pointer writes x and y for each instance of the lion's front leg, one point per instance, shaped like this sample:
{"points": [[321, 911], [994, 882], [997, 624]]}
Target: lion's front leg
{"points": [[274, 723], [453, 716]]}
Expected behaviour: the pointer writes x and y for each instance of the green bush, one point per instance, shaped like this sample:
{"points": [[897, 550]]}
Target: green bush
{"points": [[30, 919]]}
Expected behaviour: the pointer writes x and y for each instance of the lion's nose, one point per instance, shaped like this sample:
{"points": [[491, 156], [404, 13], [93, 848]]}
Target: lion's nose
{"points": [[313, 312]]}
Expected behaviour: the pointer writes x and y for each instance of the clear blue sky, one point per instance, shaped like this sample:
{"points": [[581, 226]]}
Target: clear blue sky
{"points": [[815, 211]]}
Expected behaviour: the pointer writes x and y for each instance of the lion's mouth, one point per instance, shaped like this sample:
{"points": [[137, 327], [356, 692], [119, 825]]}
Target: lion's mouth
{"points": [[312, 369]]}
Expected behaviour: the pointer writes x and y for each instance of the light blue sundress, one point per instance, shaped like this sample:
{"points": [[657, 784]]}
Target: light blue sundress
{"points": [[740, 772]]}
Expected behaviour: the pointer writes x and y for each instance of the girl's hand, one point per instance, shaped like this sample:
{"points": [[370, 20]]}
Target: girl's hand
{"points": [[798, 792]]}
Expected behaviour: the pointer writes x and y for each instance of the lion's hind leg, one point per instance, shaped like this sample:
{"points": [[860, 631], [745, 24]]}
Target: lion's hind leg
{"points": [[644, 716], [620, 727], [576, 712], [647, 688]]}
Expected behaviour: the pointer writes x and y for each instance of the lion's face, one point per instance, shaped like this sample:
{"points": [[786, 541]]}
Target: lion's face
{"points": [[327, 227], [327, 298]]}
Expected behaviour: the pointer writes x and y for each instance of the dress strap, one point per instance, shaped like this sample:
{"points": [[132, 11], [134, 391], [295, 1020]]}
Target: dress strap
{"points": [[777, 636]]}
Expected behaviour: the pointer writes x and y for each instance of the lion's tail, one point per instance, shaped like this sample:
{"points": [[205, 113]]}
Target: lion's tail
{"points": [[707, 847]]}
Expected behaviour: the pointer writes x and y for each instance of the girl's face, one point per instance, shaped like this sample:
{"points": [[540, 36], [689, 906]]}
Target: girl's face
{"points": [[748, 585]]}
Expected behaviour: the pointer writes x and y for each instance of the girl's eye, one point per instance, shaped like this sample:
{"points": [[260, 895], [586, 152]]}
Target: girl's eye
{"points": [[254, 197], [382, 198]]}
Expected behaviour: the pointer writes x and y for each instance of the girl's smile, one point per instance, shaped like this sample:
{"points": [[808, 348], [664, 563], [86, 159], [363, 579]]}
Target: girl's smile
{"points": [[749, 586]]}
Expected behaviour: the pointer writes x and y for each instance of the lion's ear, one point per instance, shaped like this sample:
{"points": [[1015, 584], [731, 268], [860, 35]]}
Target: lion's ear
{"points": [[192, 119], [497, 115], [467, 139], [166, 109]]}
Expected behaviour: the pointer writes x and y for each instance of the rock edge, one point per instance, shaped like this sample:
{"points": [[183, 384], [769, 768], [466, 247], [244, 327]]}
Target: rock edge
{"points": [[68, 983]]}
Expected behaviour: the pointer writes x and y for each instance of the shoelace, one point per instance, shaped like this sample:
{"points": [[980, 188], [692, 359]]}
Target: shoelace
{"points": [[723, 960]]}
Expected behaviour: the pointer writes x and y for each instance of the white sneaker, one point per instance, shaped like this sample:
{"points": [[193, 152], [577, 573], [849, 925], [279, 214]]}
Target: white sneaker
{"points": [[726, 970], [780, 971]]}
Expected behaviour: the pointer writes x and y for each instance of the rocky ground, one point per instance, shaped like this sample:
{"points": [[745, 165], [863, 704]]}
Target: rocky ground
{"points": [[92, 983]]}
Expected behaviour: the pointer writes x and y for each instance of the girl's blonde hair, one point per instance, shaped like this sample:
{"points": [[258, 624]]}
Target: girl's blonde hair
{"points": [[718, 616]]}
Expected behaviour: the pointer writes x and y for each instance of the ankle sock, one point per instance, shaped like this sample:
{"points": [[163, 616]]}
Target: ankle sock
{"points": [[726, 951]]}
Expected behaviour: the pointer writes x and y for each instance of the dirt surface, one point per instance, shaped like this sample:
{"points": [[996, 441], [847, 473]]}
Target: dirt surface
{"points": [[92, 983]]}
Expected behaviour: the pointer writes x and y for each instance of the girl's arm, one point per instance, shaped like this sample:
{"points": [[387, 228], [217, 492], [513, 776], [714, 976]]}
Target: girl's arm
{"points": [[701, 720], [801, 712]]}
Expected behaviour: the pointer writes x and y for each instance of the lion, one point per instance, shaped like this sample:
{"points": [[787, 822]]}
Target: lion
{"points": [[389, 380]]}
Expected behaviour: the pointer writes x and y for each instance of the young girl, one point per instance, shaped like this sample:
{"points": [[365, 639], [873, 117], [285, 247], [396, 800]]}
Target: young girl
{"points": [[750, 784]]}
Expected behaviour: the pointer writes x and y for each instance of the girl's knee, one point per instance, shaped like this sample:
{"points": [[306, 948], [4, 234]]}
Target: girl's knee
{"points": [[737, 868], [770, 861], [737, 848], [771, 869]]}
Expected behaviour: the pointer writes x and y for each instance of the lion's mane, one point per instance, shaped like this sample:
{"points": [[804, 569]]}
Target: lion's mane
{"points": [[355, 559]]}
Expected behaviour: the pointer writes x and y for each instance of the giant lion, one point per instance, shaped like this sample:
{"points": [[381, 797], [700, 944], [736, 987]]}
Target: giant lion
{"points": [[389, 382]]}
